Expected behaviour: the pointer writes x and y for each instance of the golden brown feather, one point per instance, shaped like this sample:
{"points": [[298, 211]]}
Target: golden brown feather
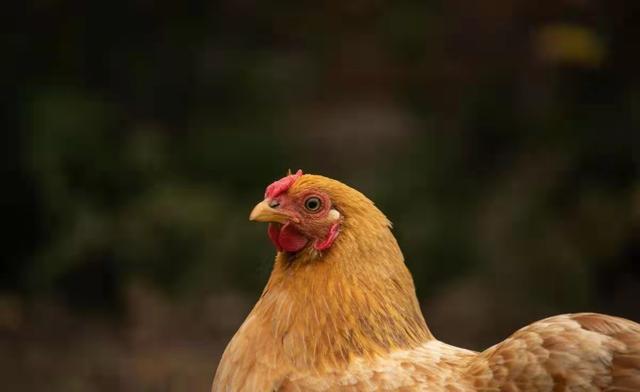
{"points": [[347, 319]]}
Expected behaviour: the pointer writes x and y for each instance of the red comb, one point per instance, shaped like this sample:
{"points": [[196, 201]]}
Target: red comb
{"points": [[282, 185]]}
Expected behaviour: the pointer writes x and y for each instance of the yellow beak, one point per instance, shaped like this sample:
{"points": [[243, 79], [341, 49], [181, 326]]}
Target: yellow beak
{"points": [[262, 212]]}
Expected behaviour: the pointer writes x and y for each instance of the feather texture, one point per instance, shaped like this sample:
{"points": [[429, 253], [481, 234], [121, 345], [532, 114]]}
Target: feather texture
{"points": [[347, 319]]}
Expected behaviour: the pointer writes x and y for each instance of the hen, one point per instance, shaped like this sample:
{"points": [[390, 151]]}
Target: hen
{"points": [[339, 313]]}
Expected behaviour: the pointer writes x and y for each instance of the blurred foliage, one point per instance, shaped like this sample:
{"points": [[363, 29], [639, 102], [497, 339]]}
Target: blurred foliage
{"points": [[501, 139]]}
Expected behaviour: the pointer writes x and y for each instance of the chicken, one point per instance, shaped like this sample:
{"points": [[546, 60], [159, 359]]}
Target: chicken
{"points": [[339, 313]]}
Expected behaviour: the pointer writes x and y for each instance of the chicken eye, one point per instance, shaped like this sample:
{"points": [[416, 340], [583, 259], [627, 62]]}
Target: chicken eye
{"points": [[312, 204]]}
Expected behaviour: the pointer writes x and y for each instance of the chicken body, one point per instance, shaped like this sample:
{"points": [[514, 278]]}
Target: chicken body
{"points": [[562, 353], [347, 319]]}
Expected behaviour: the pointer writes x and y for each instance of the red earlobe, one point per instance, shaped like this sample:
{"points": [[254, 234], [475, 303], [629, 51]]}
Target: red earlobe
{"points": [[333, 234]]}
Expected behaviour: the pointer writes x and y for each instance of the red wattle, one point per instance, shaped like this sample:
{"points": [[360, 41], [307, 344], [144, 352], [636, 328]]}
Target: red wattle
{"points": [[274, 232], [286, 238]]}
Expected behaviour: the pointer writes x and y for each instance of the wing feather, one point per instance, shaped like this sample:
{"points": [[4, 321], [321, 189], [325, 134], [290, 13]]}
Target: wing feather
{"points": [[586, 351]]}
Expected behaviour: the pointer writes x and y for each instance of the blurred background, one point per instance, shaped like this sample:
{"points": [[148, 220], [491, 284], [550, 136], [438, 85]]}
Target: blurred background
{"points": [[501, 138]]}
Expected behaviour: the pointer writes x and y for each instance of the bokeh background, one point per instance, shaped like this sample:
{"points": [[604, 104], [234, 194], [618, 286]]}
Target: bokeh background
{"points": [[500, 137]]}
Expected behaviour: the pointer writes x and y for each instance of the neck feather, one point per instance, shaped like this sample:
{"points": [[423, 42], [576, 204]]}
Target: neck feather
{"points": [[357, 299]]}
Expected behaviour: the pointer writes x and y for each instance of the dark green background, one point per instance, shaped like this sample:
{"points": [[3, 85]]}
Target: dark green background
{"points": [[501, 138]]}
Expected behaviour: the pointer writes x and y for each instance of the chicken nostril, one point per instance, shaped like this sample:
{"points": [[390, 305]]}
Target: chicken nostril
{"points": [[274, 203]]}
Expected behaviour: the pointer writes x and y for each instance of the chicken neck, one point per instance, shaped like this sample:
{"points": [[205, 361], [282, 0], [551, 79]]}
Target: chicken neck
{"points": [[355, 300]]}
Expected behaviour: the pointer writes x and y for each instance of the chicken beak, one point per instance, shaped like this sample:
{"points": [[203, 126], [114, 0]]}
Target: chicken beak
{"points": [[262, 212]]}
